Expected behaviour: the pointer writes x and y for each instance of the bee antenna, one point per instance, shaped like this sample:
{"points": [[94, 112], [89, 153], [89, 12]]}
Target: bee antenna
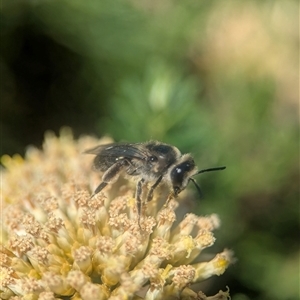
{"points": [[202, 171], [210, 169], [197, 186]]}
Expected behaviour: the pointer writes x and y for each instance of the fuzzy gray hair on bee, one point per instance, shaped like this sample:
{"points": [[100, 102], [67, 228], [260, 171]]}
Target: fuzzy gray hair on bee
{"points": [[150, 162]]}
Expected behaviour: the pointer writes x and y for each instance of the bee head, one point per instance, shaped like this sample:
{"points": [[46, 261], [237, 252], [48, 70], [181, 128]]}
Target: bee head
{"points": [[181, 173]]}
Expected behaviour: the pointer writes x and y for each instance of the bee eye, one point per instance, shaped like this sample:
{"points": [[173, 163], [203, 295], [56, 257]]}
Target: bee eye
{"points": [[179, 175], [178, 170], [153, 158]]}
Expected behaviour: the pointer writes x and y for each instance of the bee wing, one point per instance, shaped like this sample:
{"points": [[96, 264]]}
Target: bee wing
{"points": [[116, 150]]}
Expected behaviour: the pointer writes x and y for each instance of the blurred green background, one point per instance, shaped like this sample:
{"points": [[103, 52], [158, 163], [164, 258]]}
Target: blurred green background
{"points": [[218, 79]]}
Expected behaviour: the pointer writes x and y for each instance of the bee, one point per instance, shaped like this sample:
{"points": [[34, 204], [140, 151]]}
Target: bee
{"points": [[151, 163]]}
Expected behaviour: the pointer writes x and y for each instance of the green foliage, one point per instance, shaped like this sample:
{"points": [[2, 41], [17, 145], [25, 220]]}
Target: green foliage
{"points": [[161, 104]]}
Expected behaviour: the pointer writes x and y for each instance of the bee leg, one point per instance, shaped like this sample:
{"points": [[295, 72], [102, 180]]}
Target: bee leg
{"points": [[111, 175], [99, 188], [152, 188], [138, 198], [170, 197]]}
